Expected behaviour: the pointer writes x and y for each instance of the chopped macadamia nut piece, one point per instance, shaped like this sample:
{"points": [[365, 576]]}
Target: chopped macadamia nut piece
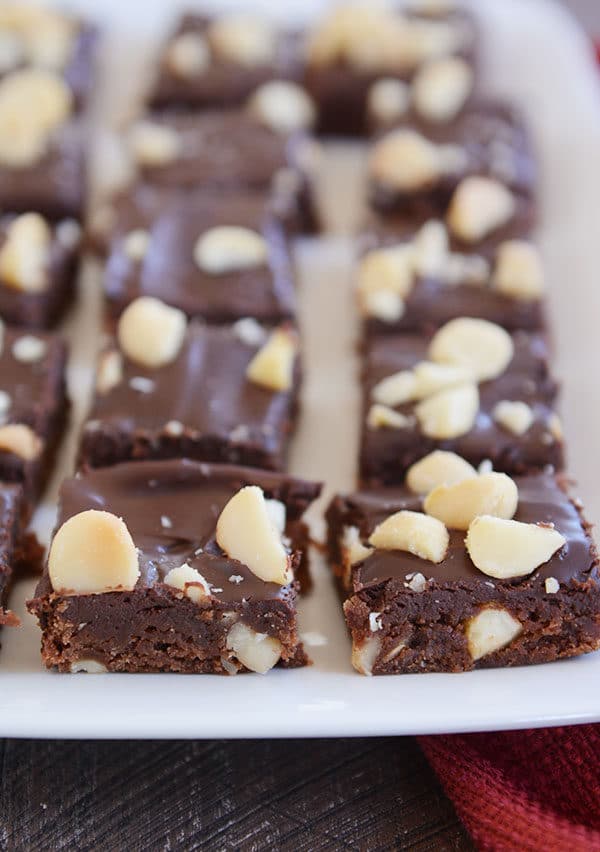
{"points": [[441, 88], [20, 440], [551, 585], [365, 654], [154, 144], [229, 248], [515, 417], [28, 349], [243, 40], [438, 468], [395, 389], [482, 347], [490, 630], [449, 413], [188, 55], [430, 249], [110, 371], [419, 534], [506, 548], [273, 365], [258, 652], [25, 255], [383, 305], [136, 243], [246, 532], [353, 549], [283, 106], [388, 99], [93, 553], [479, 206], [188, 580], [382, 417], [387, 269], [406, 161], [150, 332], [457, 505], [518, 271]]}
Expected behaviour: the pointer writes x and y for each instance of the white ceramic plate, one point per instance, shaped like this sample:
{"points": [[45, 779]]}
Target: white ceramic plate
{"points": [[536, 56]]}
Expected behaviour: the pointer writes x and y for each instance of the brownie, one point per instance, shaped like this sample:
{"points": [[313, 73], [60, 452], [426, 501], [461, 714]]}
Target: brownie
{"points": [[38, 267], [33, 36], [498, 281], [416, 169], [356, 45], [34, 408], [410, 614], [511, 420], [170, 511], [201, 405], [228, 151], [166, 266], [218, 62]]}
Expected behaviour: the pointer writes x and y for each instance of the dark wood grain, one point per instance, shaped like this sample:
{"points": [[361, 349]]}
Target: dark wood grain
{"points": [[283, 795]]}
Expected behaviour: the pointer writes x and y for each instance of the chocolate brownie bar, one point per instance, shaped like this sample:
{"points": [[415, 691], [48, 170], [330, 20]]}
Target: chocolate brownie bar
{"points": [[478, 171], [219, 394], [472, 388], [33, 408], [41, 146], [499, 573], [357, 45], [174, 566], [220, 61], [231, 151], [39, 37], [418, 281], [217, 257], [38, 266]]}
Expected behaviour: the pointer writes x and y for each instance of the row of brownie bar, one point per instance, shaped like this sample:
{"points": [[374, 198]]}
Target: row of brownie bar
{"points": [[46, 77], [464, 548]]}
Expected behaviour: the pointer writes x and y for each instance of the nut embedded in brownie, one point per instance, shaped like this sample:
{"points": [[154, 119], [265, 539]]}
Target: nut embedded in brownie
{"points": [[459, 570], [472, 388], [418, 281], [174, 566], [218, 257], [166, 388]]}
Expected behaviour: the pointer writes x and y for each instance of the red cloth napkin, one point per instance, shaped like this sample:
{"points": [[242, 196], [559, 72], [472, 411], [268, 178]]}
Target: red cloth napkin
{"points": [[524, 790]]}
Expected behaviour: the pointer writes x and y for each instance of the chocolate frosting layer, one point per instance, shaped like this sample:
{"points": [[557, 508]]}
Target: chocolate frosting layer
{"points": [[386, 453], [220, 150], [542, 499], [223, 83], [206, 391], [171, 510], [169, 272]]}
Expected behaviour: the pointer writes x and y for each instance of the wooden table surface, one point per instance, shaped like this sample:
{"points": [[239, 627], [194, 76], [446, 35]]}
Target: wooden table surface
{"points": [[362, 794]]}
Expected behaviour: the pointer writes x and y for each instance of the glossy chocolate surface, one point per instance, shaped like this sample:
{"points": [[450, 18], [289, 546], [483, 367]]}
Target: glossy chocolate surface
{"points": [[169, 271], [171, 510], [541, 500], [223, 415], [386, 452]]}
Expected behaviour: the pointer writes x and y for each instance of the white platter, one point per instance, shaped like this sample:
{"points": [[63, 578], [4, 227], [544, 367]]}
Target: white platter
{"points": [[536, 56]]}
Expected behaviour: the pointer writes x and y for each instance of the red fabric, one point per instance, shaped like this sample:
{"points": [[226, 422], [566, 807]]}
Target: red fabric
{"points": [[524, 790]]}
